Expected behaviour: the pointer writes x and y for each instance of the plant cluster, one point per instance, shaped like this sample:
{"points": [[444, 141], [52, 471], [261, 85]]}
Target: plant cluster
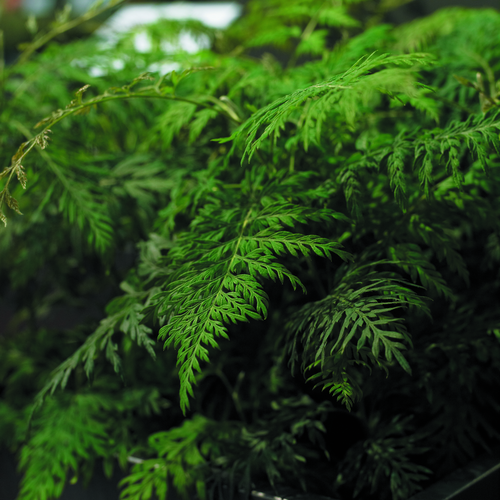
{"points": [[298, 222]]}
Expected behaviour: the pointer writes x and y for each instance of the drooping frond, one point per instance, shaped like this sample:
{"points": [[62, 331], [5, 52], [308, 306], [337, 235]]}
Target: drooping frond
{"points": [[125, 315], [353, 325], [410, 258], [479, 133], [417, 34], [343, 93], [219, 270], [64, 435], [386, 458], [178, 462], [445, 247], [73, 202]]}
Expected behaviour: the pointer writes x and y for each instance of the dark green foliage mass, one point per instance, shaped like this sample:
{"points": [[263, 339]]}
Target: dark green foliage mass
{"points": [[249, 246]]}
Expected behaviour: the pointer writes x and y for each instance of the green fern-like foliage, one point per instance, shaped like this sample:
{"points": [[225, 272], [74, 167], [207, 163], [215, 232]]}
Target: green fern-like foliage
{"points": [[274, 265], [360, 325], [387, 449], [221, 263]]}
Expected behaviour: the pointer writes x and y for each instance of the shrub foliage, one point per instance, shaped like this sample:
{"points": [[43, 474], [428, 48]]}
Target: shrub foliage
{"points": [[310, 203]]}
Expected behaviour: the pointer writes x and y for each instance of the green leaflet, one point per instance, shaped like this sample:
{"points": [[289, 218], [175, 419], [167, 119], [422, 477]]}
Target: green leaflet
{"points": [[179, 459], [352, 326], [351, 167], [342, 91], [124, 315], [224, 284], [411, 259], [68, 432], [388, 445]]}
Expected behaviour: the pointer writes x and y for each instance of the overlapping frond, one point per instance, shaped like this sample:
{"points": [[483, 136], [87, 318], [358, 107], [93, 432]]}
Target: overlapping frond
{"points": [[345, 93], [353, 325], [68, 432], [359, 129], [386, 457], [124, 315], [479, 134], [179, 462], [220, 280], [410, 258]]}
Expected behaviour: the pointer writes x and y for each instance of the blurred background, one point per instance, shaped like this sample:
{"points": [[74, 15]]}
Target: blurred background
{"points": [[20, 18]]}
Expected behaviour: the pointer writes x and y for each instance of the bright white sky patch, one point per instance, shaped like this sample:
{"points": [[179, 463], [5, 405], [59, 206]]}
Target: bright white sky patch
{"points": [[215, 15]]}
